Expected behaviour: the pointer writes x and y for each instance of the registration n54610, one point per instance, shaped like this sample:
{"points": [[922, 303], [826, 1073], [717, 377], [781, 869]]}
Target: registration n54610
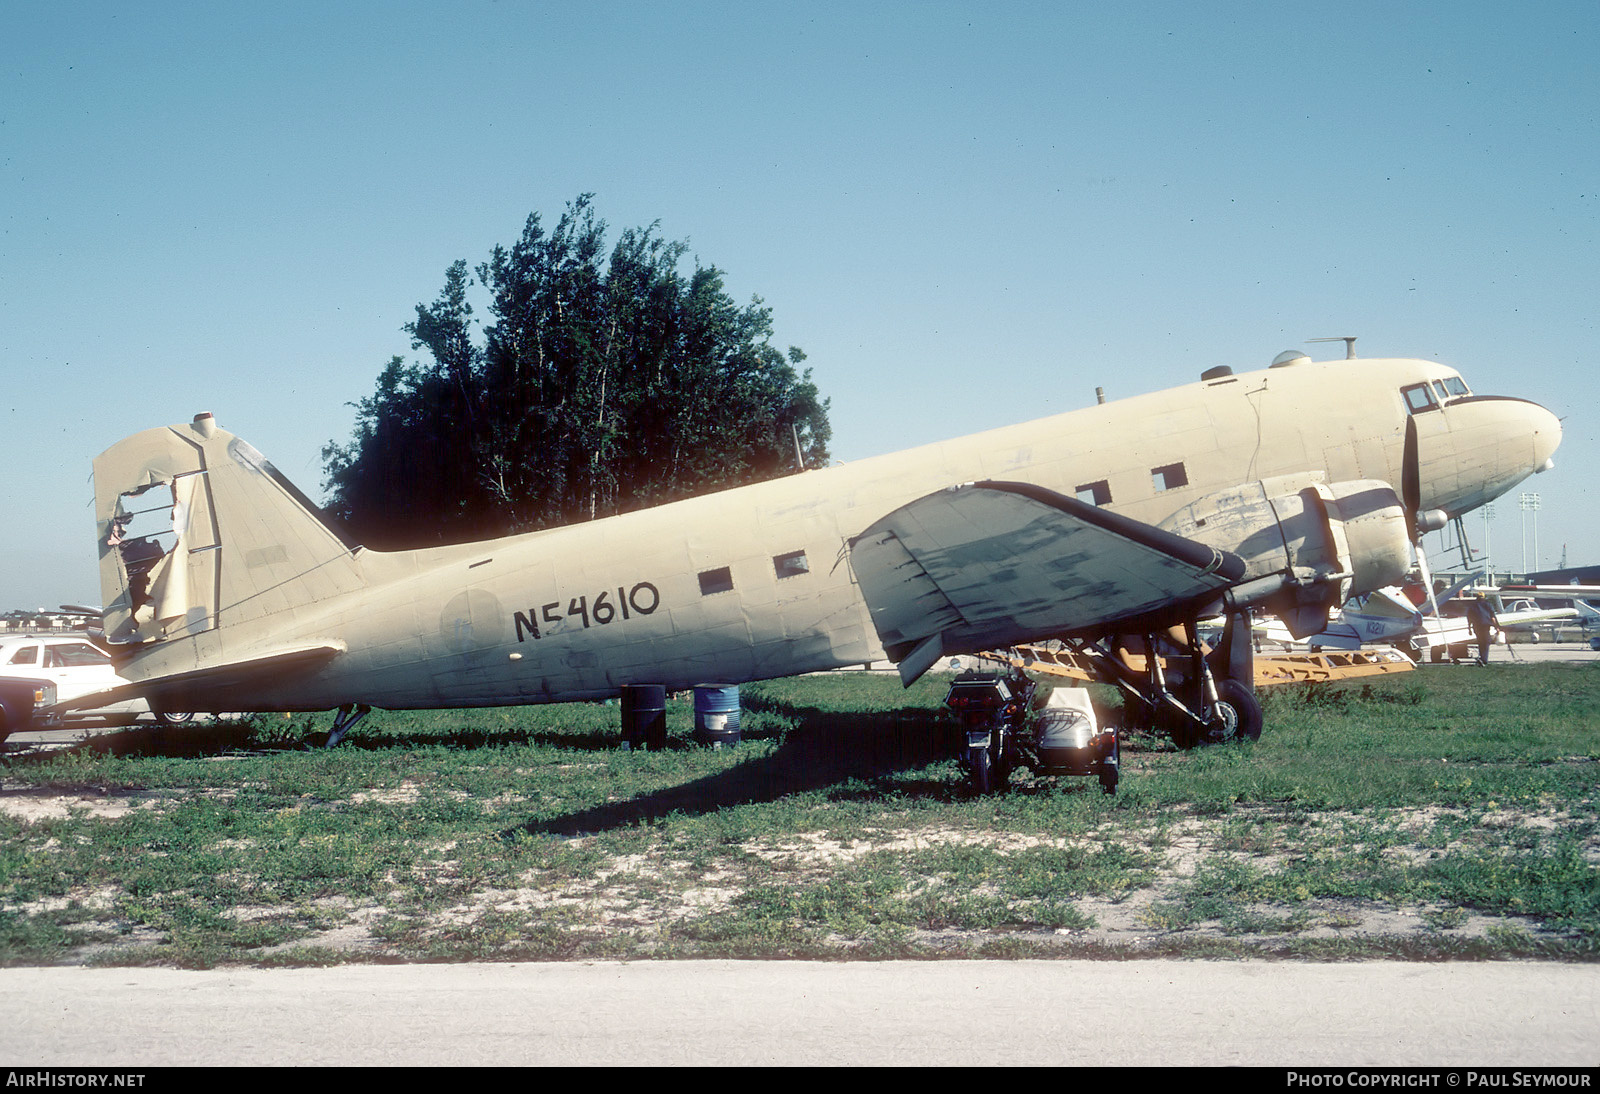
{"points": [[600, 610]]}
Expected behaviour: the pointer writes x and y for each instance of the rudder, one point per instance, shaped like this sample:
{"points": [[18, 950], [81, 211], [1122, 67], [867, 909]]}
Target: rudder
{"points": [[197, 530]]}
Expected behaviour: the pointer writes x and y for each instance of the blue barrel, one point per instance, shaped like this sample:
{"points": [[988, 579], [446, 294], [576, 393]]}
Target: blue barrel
{"points": [[644, 716], [716, 714]]}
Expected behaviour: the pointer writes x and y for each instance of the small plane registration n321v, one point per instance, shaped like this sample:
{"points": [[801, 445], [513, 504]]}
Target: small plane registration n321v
{"points": [[1288, 489]]}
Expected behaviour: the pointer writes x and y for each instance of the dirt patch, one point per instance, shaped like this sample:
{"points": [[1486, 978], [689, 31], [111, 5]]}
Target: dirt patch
{"points": [[632, 899], [32, 804]]}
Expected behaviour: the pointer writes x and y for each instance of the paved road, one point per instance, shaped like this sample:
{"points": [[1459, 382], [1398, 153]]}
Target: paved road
{"points": [[756, 1012]]}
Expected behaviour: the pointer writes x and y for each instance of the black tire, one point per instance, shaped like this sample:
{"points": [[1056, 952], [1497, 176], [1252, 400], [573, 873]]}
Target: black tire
{"points": [[982, 773], [1111, 768], [1182, 729], [1238, 715], [1000, 773], [1137, 714]]}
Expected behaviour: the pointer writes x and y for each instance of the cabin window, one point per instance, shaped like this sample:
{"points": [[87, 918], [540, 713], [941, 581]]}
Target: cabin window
{"points": [[1169, 477], [1440, 390], [27, 655], [1456, 385], [716, 581], [792, 564], [1419, 397], [1095, 493]]}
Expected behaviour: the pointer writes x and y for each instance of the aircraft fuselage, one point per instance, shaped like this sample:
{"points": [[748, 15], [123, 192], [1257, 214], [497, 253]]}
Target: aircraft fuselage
{"points": [[756, 582]]}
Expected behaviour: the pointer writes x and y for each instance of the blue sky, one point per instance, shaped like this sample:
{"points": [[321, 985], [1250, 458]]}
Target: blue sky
{"points": [[965, 214]]}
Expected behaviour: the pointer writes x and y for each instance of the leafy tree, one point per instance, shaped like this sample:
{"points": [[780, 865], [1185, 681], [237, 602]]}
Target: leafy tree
{"points": [[602, 383]]}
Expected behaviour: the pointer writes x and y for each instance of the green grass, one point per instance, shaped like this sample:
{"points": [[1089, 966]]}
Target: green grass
{"points": [[1445, 813]]}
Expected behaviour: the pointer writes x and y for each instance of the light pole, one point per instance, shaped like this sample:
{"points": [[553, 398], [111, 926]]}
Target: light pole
{"points": [[1529, 503], [1488, 555]]}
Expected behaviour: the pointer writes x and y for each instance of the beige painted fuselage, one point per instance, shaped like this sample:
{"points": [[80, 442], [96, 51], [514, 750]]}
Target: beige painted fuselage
{"points": [[746, 584]]}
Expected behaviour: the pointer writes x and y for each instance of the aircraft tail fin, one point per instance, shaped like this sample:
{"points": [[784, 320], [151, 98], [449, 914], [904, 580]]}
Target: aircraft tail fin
{"points": [[1469, 579], [197, 530]]}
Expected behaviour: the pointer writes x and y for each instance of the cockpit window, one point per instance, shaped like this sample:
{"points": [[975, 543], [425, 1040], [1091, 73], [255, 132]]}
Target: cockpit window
{"points": [[1419, 397], [1435, 394]]}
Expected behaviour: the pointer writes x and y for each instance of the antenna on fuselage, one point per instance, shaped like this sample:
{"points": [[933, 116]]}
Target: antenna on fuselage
{"points": [[1349, 341]]}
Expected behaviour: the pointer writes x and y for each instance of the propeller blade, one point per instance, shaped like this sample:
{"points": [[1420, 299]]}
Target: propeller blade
{"points": [[1427, 582], [1411, 480]]}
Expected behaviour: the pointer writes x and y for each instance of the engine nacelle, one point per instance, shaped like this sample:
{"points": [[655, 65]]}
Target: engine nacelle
{"points": [[1308, 545]]}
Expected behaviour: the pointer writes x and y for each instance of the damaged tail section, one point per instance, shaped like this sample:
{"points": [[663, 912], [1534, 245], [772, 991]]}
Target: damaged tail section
{"points": [[198, 531]]}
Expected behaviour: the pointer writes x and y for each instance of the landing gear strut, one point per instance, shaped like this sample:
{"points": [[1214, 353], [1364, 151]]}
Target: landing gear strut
{"points": [[1197, 696], [344, 719]]}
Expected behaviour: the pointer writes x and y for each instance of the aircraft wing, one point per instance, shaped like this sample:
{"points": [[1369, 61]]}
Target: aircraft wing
{"points": [[990, 564], [1446, 631], [1553, 592], [1529, 616], [1336, 636]]}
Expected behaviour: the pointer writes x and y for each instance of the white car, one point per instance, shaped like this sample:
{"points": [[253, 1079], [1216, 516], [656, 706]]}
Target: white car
{"points": [[76, 667]]}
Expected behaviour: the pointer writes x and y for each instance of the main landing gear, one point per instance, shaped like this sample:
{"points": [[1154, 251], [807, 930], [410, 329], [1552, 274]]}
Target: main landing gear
{"points": [[1179, 686]]}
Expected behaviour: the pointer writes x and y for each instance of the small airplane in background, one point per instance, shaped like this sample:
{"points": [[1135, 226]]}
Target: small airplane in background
{"points": [[1383, 617], [1289, 489], [1583, 598], [1404, 618], [1579, 596]]}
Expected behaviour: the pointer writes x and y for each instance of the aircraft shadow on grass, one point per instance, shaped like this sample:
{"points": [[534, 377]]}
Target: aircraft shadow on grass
{"points": [[854, 756], [852, 752]]}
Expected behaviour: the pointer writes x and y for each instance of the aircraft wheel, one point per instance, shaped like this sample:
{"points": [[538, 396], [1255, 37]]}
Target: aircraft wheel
{"points": [[1138, 714], [1185, 734], [1238, 715]]}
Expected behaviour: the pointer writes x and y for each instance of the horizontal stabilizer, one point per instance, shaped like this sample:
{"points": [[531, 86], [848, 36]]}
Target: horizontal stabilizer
{"points": [[192, 689], [990, 564]]}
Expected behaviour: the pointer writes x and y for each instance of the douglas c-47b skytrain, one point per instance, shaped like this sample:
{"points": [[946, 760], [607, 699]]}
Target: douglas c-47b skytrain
{"points": [[1288, 490]]}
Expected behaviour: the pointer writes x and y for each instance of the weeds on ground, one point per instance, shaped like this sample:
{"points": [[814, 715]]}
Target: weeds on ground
{"points": [[1457, 801]]}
